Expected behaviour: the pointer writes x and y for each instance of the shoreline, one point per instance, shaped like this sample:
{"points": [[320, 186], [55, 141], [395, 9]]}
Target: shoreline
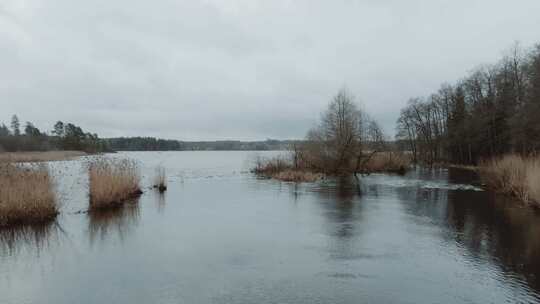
{"points": [[39, 156]]}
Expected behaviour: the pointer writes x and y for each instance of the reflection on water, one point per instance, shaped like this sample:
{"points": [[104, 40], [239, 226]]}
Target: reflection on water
{"points": [[493, 229], [116, 222], [28, 238], [160, 198]]}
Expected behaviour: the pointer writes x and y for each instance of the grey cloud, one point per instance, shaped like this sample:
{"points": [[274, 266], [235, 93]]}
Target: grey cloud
{"points": [[241, 69]]}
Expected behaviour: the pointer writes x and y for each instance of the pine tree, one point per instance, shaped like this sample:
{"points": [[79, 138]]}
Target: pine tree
{"points": [[15, 125]]}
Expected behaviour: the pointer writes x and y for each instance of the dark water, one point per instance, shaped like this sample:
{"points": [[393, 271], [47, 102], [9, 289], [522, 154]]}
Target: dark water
{"points": [[220, 235]]}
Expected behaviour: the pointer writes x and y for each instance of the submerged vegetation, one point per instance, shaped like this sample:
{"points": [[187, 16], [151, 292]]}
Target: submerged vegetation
{"points": [[26, 194], [112, 181], [160, 179], [515, 175], [346, 141]]}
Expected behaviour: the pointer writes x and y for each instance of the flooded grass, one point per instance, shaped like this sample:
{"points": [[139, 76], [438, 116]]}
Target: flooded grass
{"points": [[160, 179], [112, 181], [515, 175], [26, 194]]}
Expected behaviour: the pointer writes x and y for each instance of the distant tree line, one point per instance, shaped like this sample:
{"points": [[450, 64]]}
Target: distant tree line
{"points": [[493, 111], [63, 136], [156, 144], [142, 144]]}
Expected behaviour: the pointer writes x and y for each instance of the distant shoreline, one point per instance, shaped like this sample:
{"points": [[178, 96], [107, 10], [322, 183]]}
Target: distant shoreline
{"points": [[39, 156]]}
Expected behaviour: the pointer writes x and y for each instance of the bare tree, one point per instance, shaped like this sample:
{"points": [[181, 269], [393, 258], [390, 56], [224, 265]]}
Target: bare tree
{"points": [[336, 144], [492, 111]]}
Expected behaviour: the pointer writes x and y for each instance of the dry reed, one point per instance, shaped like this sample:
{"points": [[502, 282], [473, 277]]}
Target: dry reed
{"points": [[112, 181], [515, 175], [281, 168], [388, 162], [160, 179], [271, 166], [26, 194]]}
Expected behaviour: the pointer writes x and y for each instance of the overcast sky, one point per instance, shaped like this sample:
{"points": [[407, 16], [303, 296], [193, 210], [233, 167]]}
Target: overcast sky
{"points": [[239, 69]]}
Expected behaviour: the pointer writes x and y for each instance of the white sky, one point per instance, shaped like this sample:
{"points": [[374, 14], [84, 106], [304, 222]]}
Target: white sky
{"points": [[239, 69]]}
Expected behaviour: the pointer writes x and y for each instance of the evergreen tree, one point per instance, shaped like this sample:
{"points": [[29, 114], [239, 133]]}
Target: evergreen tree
{"points": [[31, 130], [4, 131], [15, 125], [58, 129]]}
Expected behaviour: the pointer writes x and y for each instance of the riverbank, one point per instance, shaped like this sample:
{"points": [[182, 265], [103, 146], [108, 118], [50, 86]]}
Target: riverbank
{"points": [[515, 175], [34, 156]]}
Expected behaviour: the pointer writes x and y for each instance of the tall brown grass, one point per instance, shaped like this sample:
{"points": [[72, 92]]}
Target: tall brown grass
{"points": [[160, 179], [282, 168], [515, 175], [26, 194], [270, 166], [396, 162], [112, 181]]}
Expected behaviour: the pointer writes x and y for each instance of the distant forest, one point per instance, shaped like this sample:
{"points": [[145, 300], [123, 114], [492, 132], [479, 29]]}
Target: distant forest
{"points": [[493, 111], [68, 136], [63, 136], [154, 144]]}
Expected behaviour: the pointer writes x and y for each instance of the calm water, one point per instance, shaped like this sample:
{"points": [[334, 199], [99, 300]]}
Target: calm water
{"points": [[220, 235]]}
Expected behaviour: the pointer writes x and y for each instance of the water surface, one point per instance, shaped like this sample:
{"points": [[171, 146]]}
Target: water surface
{"points": [[221, 235]]}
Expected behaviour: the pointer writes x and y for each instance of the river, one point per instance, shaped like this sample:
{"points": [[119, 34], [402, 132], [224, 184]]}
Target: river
{"points": [[221, 235]]}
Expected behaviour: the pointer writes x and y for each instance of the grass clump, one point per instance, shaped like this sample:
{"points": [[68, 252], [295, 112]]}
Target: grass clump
{"points": [[112, 181], [26, 194], [515, 175], [281, 168], [160, 179]]}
